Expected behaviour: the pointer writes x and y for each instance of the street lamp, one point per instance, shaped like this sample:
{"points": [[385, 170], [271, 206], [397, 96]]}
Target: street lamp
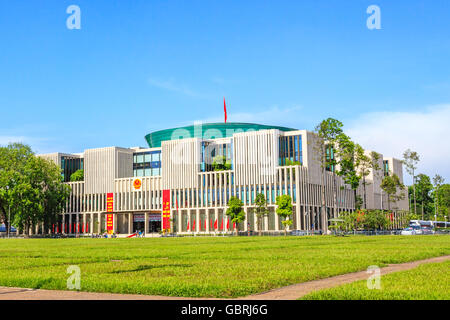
{"points": [[9, 219], [9, 214]]}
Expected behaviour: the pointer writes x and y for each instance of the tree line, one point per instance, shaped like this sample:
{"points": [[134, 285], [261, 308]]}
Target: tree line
{"points": [[31, 189]]}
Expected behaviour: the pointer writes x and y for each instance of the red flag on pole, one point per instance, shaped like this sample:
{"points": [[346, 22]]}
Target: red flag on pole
{"points": [[200, 224], [228, 223], [205, 224], [234, 225], [221, 225], [187, 226], [87, 227], [215, 224], [193, 225], [53, 228], [210, 223], [225, 109]]}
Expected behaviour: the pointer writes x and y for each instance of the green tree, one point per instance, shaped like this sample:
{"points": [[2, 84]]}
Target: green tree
{"points": [[352, 220], [235, 211], [345, 152], [365, 164], [13, 160], [407, 218], [261, 210], [410, 160], [284, 210], [327, 133], [443, 200], [392, 186], [423, 188], [77, 175], [349, 220], [375, 220], [438, 181], [31, 186], [290, 162], [220, 163], [40, 195]]}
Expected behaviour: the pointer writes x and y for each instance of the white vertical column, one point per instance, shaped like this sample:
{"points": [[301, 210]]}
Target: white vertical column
{"points": [[197, 224], [216, 218], [130, 223], [246, 215], [146, 224], [266, 223], [180, 221], [191, 227]]}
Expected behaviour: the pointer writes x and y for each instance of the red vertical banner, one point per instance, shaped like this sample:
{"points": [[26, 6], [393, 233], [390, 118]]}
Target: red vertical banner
{"points": [[109, 202], [110, 223], [110, 208], [166, 210]]}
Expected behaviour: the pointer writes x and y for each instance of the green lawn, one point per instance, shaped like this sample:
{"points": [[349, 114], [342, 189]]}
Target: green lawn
{"points": [[426, 282], [203, 266]]}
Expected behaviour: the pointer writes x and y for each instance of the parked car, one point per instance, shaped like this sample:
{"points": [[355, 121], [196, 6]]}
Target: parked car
{"points": [[408, 231], [427, 230], [418, 229], [3, 228], [298, 233]]}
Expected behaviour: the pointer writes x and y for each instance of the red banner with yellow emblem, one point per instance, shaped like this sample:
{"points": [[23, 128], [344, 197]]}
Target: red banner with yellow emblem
{"points": [[166, 210], [110, 208], [109, 202], [110, 223]]}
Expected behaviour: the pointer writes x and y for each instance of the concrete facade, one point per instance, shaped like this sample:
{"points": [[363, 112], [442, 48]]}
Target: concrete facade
{"points": [[202, 194]]}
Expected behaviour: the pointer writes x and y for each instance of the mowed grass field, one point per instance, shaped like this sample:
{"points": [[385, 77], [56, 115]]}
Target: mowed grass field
{"points": [[203, 266], [426, 282]]}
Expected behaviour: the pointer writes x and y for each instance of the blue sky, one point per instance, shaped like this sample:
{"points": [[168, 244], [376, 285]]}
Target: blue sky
{"points": [[139, 66]]}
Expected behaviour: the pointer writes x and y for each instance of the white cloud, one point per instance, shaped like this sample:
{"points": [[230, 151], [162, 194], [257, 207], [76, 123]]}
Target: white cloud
{"points": [[38, 145], [4, 140], [391, 133], [171, 85]]}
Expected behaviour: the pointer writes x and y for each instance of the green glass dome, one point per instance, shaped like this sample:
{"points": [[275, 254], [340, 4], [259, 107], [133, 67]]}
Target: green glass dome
{"points": [[206, 131]]}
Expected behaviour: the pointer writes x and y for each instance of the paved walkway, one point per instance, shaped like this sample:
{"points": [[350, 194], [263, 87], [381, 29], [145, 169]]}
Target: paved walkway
{"points": [[296, 291], [291, 292]]}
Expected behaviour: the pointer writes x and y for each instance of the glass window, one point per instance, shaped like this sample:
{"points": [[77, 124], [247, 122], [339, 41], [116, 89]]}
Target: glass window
{"points": [[140, 158], [148, 172], [156, 156]]}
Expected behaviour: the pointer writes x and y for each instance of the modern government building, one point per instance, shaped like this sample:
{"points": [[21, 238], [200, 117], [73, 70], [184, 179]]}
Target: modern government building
{"points": [[173, 182]]}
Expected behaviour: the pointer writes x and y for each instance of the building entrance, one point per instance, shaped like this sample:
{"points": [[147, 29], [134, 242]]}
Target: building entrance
{"points": [[154, 223], [138, 222]]}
